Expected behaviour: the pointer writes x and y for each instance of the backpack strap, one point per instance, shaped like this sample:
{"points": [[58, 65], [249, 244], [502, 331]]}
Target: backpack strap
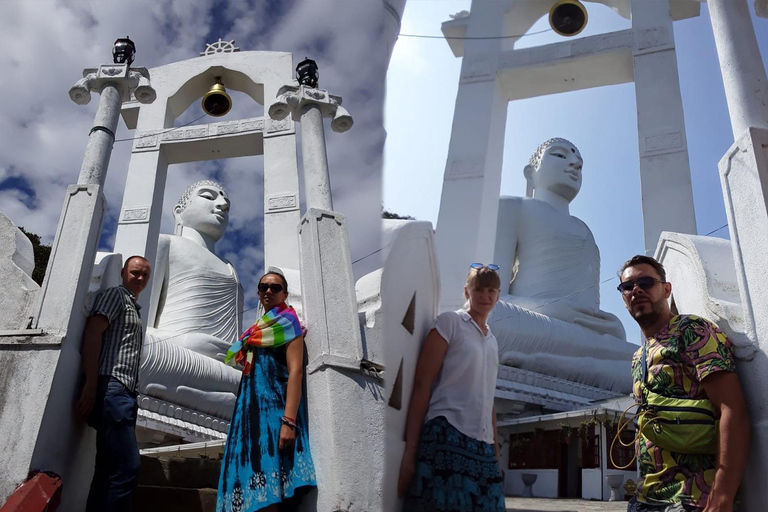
{"points": [[644, 383]]}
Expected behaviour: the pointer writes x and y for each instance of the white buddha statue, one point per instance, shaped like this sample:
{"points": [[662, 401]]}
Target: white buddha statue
{"points": [[195, 309], [549, 320]]}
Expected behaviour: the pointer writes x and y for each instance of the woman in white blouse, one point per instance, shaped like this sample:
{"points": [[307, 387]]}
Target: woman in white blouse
{"points": [[451, 458]]}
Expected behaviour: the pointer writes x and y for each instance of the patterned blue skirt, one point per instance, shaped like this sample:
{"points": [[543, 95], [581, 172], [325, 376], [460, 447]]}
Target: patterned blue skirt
{"points": [[454, 473], [254, 473]]}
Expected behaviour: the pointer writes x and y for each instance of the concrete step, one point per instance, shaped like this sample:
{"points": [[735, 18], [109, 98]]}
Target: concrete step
{"points": [[180, 472], [149, 498]]}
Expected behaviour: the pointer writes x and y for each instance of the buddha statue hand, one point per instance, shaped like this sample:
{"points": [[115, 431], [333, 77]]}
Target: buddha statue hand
{"points": [[199, 342]]}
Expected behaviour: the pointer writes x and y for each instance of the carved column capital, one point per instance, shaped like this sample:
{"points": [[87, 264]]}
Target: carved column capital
{"points": [[127, 80], [294, 100]]}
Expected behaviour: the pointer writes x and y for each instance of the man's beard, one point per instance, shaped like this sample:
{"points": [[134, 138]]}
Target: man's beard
{"points": [[650, 318]]}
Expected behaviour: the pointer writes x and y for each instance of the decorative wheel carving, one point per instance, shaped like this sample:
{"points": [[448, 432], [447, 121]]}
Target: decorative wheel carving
{"points": [[220, 47]]}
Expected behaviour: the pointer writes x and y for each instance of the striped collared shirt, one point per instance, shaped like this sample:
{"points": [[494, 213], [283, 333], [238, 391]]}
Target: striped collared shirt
{"points": [[121, 342]]}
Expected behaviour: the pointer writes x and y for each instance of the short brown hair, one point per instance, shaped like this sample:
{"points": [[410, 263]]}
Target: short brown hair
{"points": [[647, 260], [483, 278], [134, 257]]}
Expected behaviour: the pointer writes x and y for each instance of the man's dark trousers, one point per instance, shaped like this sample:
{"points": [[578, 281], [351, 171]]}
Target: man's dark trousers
{"points": [[117, 453]]}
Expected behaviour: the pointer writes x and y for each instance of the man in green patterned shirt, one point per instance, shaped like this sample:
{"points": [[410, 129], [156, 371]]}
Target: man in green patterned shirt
{"points": [[686, 357]]}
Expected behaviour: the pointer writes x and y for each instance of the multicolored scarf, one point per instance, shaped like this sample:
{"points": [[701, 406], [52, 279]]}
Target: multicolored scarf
{"points": [[279, 326]]}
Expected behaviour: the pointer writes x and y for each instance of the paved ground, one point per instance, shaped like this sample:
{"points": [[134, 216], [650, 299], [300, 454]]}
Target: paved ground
{"points": [[548, 505]]}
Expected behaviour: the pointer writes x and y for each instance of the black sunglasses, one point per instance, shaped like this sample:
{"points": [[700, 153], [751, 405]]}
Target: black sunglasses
{"points": [[276, 288], [645, 283]]}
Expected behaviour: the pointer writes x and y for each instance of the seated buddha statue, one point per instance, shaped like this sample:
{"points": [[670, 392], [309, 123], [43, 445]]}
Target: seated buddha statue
{"points": [[548, 317], [195, 309]]}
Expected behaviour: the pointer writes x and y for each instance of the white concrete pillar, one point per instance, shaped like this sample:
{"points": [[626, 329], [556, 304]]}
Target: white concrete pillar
{"points": [[746, 86], [665, 174], [281, 200], [138, 226], [348, 466], [744, 176], [102, 136], [317, 181], [281, 176], [328, 290], [40, 424], [466, 224]]}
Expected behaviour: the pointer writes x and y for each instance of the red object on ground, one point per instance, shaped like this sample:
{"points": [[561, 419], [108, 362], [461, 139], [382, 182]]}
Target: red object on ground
{"points": [[40, 493]]}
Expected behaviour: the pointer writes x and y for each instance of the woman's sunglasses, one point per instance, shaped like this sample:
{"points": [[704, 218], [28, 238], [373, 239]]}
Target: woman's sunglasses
{"points": [[490, 266], [276, 288], [645, 283]]}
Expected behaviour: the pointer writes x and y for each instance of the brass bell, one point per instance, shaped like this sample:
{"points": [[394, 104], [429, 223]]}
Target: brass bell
{"points": [[216, 101], [568, 17]]}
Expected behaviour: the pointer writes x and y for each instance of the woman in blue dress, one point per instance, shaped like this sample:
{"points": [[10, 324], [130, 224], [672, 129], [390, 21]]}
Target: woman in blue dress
{"points": [[267, 464], [451, 457]]}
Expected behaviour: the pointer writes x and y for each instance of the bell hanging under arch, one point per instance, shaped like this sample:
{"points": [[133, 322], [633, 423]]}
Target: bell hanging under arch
{"points": [[216, 101], [568, 17]]}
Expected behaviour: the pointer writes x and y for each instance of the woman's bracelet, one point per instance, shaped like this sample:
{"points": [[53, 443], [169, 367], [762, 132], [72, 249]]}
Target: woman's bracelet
{"points": [[288, 422]]}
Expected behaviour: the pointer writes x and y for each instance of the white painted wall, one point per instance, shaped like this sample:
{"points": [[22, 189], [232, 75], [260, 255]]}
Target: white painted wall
{"points": [[591, 484], [410, 268]]}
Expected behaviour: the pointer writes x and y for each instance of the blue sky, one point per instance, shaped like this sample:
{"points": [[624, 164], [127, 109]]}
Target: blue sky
{"points": [[421, 89], [43, 134]]}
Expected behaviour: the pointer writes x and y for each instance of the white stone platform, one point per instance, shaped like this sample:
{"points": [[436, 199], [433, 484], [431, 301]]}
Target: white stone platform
{"points": [[516, 389], [563, 505], [160, 421]]}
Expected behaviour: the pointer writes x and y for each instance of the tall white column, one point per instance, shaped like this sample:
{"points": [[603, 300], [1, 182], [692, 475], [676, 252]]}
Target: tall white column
{"points": [[102, 136], [746, 86], [469, 203], [310, 105], [40, 422], [138, 226], [744, 176], [317, 181], [281, 199], [349, 473], [665, 174]]}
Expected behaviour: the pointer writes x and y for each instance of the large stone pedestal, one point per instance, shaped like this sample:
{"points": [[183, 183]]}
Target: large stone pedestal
{"points": [[41, 433], [345, 398], [744, 176]]}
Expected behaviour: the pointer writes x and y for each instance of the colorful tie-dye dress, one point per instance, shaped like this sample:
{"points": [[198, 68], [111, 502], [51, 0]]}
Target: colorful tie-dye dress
{"points": [[254, 473], [679, 357]]}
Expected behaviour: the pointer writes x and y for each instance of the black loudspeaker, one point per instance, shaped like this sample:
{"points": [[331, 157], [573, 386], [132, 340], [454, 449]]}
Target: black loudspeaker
{"points": [[568, 17]]}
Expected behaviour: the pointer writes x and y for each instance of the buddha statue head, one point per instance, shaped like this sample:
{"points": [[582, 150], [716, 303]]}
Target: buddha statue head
{"points": [[555, 166], [203, 207]]}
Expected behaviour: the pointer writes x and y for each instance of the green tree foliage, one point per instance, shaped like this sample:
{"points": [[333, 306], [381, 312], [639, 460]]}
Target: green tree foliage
{"points": [[42, 253], [391, 215]]}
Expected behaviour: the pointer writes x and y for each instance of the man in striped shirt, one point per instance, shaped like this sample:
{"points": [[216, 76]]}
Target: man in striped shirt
{"points": [[110, 353]]}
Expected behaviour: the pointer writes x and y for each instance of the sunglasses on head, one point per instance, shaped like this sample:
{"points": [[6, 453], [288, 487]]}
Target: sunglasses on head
{"points": [[275, 287], [490, 266], [645, 283]]}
